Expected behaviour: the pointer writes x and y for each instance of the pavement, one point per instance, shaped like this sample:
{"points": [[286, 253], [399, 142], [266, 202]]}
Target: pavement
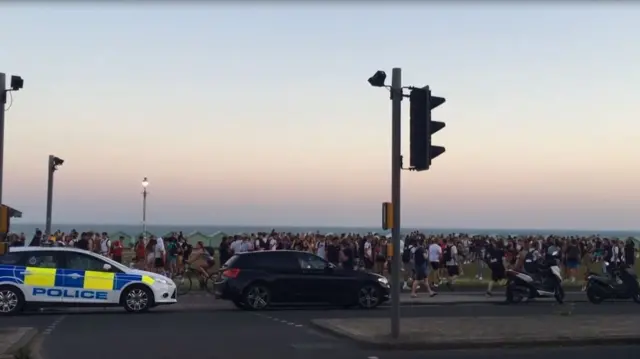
{"points": [[488, 331], [200, 327], [14, 340]]}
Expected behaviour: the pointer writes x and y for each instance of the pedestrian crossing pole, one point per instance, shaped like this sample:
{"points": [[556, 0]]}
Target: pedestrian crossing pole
{"points": [[396, 169]]}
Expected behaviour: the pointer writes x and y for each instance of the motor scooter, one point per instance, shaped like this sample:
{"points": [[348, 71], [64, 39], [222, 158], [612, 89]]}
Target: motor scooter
{"points": [[620, 282], [546, 282]]}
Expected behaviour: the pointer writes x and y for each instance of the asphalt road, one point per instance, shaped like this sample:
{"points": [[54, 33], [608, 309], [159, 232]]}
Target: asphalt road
{"points": [[219, 331]]}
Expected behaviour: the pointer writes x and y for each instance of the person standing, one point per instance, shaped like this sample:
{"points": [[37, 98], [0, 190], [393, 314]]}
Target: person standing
{"points": [[117, 249], [421, 270], [160, 255], [435, 254], [496, 259]]}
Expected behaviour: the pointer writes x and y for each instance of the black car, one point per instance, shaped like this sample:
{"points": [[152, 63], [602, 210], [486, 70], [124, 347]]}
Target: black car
{"points": [[257, 280]]}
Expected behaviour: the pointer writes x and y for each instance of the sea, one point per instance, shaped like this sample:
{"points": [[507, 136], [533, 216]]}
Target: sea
{"points": [[160, 230]]}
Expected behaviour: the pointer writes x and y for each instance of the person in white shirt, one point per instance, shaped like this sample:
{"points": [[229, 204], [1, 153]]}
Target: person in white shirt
{"points": [[450, 256], [105, 245], [236, 246], [159, 253], [368, 254], [320, 250], [273, 244], [435, 255]]}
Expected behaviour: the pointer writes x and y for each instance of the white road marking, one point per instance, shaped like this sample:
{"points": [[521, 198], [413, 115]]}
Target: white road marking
{"points": [[53, 325]]}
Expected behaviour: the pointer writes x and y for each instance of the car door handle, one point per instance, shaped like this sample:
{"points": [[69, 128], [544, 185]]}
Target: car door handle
{"points": [[74, 275], [25, 272]]}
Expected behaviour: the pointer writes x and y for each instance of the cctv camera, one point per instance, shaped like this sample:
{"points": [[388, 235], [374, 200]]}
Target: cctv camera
{"points": [[378, 79], [16, 83]]}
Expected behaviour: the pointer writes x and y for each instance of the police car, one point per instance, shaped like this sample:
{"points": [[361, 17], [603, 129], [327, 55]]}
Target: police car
{"points": [[60, 276]]}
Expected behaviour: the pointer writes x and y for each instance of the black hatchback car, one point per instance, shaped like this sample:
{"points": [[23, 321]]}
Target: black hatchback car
{"points": [[257, 280]]}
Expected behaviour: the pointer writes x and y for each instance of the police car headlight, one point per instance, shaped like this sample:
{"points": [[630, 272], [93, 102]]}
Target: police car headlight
{"points": [[383, 281], [162, 281]]}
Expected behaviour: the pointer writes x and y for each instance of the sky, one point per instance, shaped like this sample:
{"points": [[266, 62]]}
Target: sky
{"points": [[261, 113]]}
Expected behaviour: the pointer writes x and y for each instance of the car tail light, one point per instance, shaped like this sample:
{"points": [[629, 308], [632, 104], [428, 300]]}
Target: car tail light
{"points": [[231, 273]]}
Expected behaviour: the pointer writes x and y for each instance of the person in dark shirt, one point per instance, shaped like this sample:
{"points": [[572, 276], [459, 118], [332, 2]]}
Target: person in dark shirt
{"points": [[225, 253], [333, 252], [629, 253], [37, 239], [497, 264], [348, 259], [83, 242], [421, 268]]}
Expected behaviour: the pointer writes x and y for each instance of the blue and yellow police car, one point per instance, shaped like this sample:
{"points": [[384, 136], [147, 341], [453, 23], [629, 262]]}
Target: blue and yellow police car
{"points": [[61, 276]]}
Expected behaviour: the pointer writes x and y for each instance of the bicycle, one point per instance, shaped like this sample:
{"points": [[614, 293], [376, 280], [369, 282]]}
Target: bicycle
{"points": [[184, 280]]}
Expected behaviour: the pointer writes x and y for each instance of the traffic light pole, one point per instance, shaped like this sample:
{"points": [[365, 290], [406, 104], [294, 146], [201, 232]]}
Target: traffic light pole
{"points": [[3, 100], [49, 194], [396, 153]]}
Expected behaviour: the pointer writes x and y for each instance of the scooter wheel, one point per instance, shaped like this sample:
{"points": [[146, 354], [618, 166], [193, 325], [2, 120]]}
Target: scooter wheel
{"points": [[513, 297], [594, 297], [558, 294]]}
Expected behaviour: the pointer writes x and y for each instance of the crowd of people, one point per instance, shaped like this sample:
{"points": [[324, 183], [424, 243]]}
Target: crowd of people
{"points": [[428, 259], [432, 260], [167, 255]]}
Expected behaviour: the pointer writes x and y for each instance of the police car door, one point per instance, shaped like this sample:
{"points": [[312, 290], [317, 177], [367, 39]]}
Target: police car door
{"points": [[41, 281], [86, 280]]}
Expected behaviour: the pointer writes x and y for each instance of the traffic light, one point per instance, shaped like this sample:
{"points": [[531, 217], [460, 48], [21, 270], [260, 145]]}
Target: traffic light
{"points": [[421, 128], [387, 215]]}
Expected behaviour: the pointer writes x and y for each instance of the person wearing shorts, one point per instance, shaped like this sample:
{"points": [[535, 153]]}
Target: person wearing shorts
{"points": [[420, 265], [435, 255]]}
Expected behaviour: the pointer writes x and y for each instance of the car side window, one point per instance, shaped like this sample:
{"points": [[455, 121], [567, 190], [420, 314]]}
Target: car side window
{"points": [[310, 261], [79, 261], [11, 258], [42, 259], [270, 261]]}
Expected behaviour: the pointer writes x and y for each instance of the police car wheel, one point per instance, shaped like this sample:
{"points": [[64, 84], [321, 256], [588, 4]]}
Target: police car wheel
{"points": [[137, 299], [11, 300]]}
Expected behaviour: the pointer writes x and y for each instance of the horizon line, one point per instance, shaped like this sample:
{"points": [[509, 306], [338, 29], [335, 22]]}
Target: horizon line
{"points": [[342, 226]]}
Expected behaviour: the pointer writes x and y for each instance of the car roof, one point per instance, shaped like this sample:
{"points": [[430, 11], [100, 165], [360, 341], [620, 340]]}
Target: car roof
{"points": [[264, 253], [120, 266]]}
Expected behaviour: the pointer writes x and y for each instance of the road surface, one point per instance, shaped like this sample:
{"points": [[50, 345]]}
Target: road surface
{"points": [[202, 329]]}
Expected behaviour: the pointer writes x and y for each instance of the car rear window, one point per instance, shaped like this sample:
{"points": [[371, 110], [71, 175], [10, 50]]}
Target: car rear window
{"points": [[230, 261]]}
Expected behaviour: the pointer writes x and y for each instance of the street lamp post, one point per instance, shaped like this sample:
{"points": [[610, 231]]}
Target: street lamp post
{"points": [[145, 183]]}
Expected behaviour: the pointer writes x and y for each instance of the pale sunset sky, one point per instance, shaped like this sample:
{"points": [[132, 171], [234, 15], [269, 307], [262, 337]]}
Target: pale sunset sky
{"points": [[262, 114]]}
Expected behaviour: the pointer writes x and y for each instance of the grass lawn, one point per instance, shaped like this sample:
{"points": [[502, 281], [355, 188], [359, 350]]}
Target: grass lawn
{"points": [[467, 278], [470, 271]]}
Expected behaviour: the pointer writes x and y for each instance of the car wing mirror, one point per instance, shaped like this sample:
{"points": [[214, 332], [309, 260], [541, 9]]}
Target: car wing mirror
{"points": [[106, 267]]}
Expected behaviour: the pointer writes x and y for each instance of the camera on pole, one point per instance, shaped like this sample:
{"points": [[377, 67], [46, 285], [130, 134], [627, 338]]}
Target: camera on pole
{"points": [[422, 128], [54, 163]]}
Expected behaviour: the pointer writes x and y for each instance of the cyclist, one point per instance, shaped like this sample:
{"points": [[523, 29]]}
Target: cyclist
{"points": [[204, 257]]}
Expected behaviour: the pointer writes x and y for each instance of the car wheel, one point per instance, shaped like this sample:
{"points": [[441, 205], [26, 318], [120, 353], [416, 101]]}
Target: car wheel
{"points": [[369, 296], [636, 296], [239, 304], [137, 299], [257, 297], [11, 300]]}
